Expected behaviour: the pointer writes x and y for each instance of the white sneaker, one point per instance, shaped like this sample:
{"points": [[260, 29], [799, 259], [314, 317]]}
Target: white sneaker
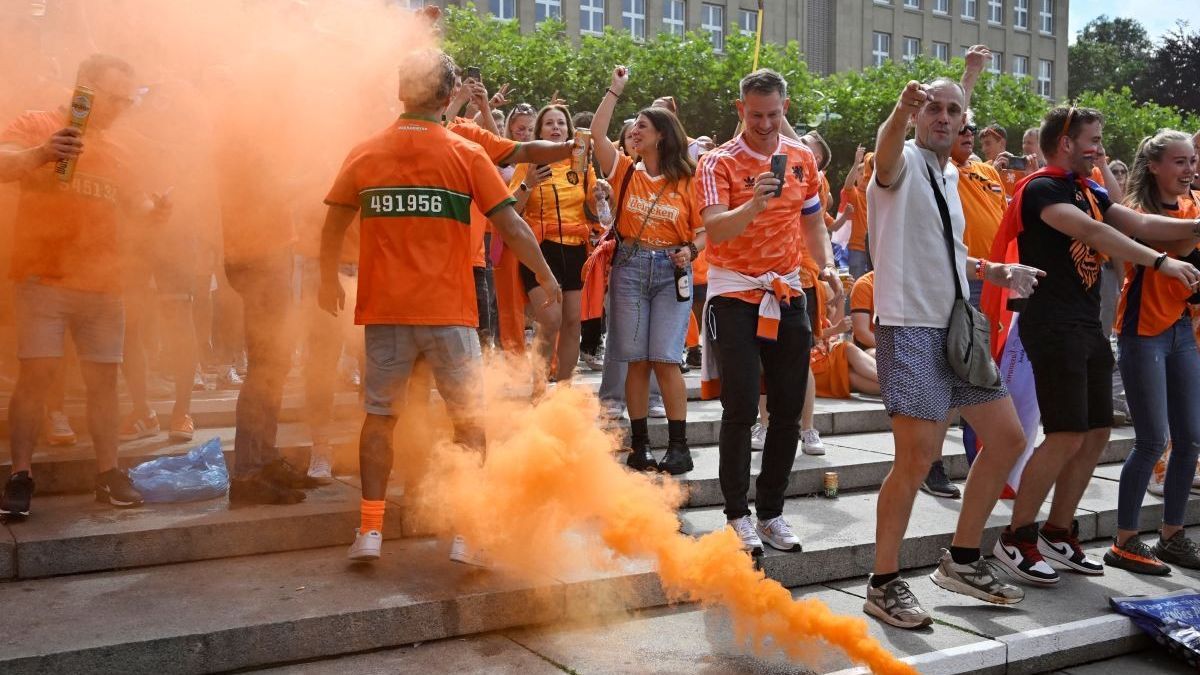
{"points": [[758, 436], [658, 410], [745, 531], [810, 442], [366, 546], [778, 534], [320, 463], [1158, 478], [59, 431], [594, 362], [461, 553]]}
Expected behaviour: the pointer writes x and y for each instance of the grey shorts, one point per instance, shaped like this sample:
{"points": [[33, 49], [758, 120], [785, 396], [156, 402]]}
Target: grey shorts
{"points": [[916, 379], [452, 351], [44, 314]]}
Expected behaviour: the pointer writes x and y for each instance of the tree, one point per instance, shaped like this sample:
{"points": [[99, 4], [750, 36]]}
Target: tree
{"points": [[1172, 75], [1107, 53], [1127, 121]]}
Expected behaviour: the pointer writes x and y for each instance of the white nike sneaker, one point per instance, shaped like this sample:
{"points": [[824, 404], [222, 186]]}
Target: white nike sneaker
{"points": [[460, 552], [745, 529], [778, 534], [366, 546], [810, 442], [758, 437]]}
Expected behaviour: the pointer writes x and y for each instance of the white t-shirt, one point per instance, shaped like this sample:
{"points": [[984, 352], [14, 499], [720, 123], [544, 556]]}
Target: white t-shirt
{"points": [[913, 286]]}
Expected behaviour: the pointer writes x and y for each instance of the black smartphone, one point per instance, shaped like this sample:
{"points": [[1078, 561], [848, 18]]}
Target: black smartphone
{"points": [[779, 168], [472, 73], [1017, 163]]}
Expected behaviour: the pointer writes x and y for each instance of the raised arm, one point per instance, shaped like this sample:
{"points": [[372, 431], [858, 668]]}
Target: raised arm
{"points": [[977, 56], [606, 152], [889, 143]]}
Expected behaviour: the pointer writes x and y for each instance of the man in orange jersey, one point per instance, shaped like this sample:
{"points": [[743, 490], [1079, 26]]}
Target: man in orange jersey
{"points": [[67, 269], [416, 293], [756, 321]]}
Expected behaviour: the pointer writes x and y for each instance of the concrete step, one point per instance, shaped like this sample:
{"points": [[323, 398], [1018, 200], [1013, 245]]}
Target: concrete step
{"points": [[281, 607]]}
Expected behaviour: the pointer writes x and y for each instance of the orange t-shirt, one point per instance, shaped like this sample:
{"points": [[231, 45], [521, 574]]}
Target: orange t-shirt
{"points": [[983, 200], [862, 296], [826, 198], [498, 149], [774, 240], [555, 209], [700, 269], [1150, 302], [1098, 176], [66, 234], [674, 218], [414, 184], [858, 221]]}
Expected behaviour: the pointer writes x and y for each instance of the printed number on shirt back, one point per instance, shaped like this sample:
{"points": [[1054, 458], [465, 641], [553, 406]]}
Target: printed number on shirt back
{"points": [[394, 202]]}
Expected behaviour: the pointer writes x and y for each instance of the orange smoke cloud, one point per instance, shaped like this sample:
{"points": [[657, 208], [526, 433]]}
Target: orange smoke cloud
{"points": [[551, 470]]}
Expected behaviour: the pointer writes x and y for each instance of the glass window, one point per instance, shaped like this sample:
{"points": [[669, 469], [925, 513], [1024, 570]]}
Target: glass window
{"points": [[970, 10], [1045, 77], [547, 9], [712, 19], [881, 48], [941, 6], [748, 21], [912, 4], [673, 17], [1021, 66], [912, 48], [1021, 14], [503, 9], [633, 18], [941, 51], [1046, 14], [997, 65], [591, 16], [995, 11]]}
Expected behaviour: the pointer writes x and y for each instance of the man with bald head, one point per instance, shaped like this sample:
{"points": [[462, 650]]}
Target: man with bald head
{"points": [[913, 190]]}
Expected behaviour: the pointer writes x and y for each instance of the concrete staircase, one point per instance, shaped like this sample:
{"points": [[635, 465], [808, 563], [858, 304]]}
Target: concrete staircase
{"points": [[203, 588]]}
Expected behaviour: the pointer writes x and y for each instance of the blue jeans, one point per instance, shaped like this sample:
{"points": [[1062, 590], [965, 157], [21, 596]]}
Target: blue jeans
{"points": [[646, 321], [860, 263], [1162, 382]]}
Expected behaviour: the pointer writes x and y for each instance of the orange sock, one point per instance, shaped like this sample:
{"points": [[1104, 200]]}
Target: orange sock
{"points": [[372, 515]]}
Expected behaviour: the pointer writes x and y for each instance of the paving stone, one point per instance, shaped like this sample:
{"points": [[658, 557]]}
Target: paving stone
{"points": [[8, 553], [1153, 661], [71, 534], [256, 611], [477, 654], [689, 639]]}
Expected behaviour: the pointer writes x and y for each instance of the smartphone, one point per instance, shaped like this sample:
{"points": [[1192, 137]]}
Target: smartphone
{"points": [[472, 73], [1017, 163], [779, 168]]}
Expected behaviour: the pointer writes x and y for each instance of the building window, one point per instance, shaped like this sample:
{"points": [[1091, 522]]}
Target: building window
{"points": [[547, 9], [503, 9], [591, 17], [415, 4], [712, 19], [997, 65], [995, 11], [673, 16], [912, 4], [1020, 66], [912, 49], [1047, 16], [970, 10], [881, 49], [748, 21], [941, 6], [633, 17], [941, 51], [1021, 14], [1045, 77]]}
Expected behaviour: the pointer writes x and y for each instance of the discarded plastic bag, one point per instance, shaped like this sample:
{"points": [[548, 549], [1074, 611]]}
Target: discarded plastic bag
{"points": [[198, 475], [1172, 619]]}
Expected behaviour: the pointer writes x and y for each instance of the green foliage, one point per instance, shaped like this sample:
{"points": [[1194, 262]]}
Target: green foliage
{"points": [[1127, 122]]}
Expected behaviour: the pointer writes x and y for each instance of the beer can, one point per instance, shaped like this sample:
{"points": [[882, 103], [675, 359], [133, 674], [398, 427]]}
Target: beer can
{"points": [[81, 110], [831, 484], [581, 151]]}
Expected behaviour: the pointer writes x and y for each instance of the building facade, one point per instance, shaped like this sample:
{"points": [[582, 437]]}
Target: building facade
{"points": [[1028, 38]]}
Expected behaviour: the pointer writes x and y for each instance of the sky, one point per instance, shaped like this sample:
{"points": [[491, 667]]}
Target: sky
{"points": [[1157, 16]]}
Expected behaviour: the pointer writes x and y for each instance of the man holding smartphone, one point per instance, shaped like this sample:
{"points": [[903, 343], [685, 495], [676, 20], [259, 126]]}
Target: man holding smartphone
{"points": [[760, 224]]}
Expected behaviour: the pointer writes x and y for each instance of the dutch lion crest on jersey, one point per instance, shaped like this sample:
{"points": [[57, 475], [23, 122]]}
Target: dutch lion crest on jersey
{"points": [[1087, 263]]}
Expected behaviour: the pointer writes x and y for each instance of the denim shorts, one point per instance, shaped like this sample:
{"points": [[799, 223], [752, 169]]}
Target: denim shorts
{"points": [[452, 351], [44, 313], [646, 321]]}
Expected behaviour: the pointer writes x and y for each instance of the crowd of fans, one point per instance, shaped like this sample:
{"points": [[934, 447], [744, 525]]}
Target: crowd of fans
{"points": [[477, 223]]}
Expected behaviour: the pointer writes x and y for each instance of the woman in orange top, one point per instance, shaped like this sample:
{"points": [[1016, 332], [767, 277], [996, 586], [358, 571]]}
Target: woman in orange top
{"points": [[660, 234], [553, 200], [1159, 366]]}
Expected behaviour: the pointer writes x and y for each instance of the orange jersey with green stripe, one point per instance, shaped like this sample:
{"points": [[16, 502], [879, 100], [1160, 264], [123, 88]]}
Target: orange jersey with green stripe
{"points": [[414, 185], [1150, 302]]}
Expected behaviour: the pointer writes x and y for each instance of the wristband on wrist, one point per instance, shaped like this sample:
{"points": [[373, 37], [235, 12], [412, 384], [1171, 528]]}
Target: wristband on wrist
{"points": [[981, 269], [1158, 262], [692, 247], [615, 94]]}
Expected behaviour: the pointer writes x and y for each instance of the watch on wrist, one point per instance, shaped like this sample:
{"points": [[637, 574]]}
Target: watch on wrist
{"points": [[523, 187]]}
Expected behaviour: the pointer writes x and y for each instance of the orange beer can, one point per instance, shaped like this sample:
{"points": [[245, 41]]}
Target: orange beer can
{"points": [[81, 110]]}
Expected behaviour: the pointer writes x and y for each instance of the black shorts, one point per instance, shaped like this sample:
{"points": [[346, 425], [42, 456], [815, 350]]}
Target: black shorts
{"points": [[565, 261], [1073, 373]]}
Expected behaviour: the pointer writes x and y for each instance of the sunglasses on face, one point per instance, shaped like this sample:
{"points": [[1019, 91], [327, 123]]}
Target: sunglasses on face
{"points": [[968, 129]]}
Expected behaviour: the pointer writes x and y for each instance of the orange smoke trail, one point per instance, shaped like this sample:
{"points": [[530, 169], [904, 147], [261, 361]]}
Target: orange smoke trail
{"points": [[551, 470]]}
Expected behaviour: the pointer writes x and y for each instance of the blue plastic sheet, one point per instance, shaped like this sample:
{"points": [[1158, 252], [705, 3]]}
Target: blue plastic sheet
{"points": [[1173, 620], [198, 475]]}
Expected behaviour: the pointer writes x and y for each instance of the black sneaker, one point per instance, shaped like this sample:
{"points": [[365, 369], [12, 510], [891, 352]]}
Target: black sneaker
{"points": [[938, 484], [285, 475], [693, 357], [258, 489], [1018, 552], [1179, 550], [17, 493], [1062, 546], [113, 488], [640, 458], [677, 460], [1135, 556]]}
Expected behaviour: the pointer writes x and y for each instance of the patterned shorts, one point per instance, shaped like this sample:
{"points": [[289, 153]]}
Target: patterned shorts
{"points": [[917, 380]]}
